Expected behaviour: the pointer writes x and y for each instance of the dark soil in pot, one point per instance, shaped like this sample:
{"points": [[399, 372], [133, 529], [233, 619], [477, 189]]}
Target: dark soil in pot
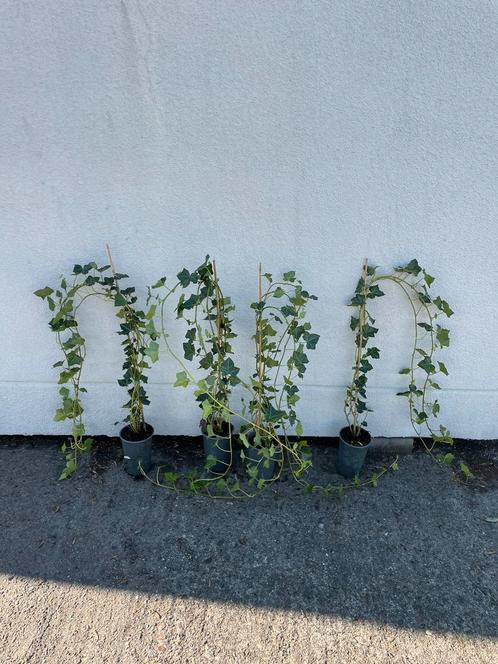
{"points": [[137, 449], [352, 451]]}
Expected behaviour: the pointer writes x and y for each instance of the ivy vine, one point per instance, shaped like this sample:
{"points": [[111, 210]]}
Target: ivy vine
{"points": [[429, 337], [208, 339], [139, 346], [63, 302], [283, 337]]}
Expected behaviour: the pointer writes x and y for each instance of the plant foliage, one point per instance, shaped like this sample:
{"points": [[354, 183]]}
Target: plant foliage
{"points": [[139, 346], [208, 340], [63, 303], [429, 337]]}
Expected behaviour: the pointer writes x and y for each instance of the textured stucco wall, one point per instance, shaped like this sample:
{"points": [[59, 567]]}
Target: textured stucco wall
{"points": [[307, 134]]}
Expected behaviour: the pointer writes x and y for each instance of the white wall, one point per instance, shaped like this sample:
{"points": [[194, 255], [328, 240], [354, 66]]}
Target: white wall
{"points": [[307, 134]]}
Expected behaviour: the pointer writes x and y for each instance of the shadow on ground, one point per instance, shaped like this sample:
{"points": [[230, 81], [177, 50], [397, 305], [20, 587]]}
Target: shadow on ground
{"points": [[416, 552]]}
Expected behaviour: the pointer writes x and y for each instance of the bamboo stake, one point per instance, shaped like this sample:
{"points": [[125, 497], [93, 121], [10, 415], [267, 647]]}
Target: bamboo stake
{"points": [[259, 347], [359, 350], [218, 304], [109, 256]]}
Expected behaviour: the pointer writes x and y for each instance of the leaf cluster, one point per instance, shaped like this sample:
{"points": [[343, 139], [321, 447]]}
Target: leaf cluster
{"points": [[139, 347], [283, 338], [429, 337], [63, 302], [208, 341]]}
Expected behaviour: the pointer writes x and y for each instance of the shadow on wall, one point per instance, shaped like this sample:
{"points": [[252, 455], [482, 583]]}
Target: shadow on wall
{"points": [[413, 553]]}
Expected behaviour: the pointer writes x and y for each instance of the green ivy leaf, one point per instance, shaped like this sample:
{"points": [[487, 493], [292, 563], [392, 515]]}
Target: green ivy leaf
{"points": [[443, 336], [69, 469], [151, 313], [369, 331], [78, 430], [170, 478], [311, 340], [427, 365], [120, 300], [152, 351], [442, 368], [228, 368], [188, 350], [443, 306], [182, 379], [184, 277], [428, 279], [374, 291], [207, 408], [365, 366], [410, 268], [44, 292], [287, 310], [272, 414], [60, 415], [466, 470], [357, 300]]}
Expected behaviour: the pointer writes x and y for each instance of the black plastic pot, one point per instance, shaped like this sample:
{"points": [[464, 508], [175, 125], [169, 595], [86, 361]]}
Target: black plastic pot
{"points": [[219, 448], [266, 469], [137, 450], [351, 457]]}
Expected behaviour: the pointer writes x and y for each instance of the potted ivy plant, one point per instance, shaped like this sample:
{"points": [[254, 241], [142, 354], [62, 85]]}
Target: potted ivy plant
{"points": [[414, 282], [282, 338], [208, 340], [64, 302], [139, 345]]}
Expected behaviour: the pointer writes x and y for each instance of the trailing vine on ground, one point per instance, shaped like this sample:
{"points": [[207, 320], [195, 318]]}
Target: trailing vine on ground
{"points": [[275, 405]]}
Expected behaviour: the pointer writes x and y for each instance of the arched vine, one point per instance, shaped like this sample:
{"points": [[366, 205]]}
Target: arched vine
{"points": [[139, 343], [63, 302], [429, 337]]}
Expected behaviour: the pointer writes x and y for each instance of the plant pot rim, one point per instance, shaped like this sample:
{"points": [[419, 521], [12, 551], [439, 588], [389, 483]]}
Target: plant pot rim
{"points": [[346, 441], [139, 440]]}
